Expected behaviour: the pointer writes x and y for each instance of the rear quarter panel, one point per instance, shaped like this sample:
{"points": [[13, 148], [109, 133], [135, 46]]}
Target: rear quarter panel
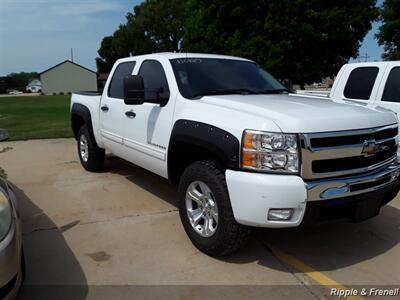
{"points": [[93, 104]]}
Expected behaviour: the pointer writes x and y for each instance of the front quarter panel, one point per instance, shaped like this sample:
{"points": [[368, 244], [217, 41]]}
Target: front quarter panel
{"points": [[216, 140], [232, 121]]}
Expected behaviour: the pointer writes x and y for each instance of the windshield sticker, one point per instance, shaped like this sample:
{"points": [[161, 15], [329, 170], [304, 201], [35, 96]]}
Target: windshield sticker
{"points": [[189, 61]]}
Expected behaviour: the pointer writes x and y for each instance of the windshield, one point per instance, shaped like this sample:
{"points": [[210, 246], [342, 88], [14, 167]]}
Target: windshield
{"points": [[199, 77]]}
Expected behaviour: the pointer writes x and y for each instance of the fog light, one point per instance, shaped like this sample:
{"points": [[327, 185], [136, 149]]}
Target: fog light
{"points": [[280, 214]]}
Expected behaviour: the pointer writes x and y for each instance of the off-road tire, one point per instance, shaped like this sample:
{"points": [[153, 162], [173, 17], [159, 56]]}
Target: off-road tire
{"points": [[96, 155], [229, 235]]}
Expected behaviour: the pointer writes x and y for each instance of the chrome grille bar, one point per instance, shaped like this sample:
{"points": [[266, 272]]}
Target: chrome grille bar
{"points": [[320, 154]]}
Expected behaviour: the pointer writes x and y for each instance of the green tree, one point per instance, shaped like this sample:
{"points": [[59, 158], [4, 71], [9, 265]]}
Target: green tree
{"points": [[154, 26], [304, 40], [389, 32], [108, 55], [18, 81]]}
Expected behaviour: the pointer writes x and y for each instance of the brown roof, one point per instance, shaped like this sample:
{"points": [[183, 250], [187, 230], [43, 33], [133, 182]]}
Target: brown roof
{"points": [[65, 61]]}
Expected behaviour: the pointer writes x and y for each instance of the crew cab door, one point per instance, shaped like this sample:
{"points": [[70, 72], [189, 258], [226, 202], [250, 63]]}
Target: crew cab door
{"points": [[389, 91], [147, 127], [112, 107]]}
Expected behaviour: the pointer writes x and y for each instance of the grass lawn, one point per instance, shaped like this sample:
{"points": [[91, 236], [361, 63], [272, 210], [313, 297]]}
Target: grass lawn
{"points": [[36, 117]]}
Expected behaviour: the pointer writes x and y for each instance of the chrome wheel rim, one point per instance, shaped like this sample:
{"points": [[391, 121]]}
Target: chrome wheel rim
{"points": [[201, 209], [84, 148]]}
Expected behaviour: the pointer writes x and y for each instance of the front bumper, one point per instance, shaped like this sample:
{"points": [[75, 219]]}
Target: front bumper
{"points": [[254, 194], [10, 263]]}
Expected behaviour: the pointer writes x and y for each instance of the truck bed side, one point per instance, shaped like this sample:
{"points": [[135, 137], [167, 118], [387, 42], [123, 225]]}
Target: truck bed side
{"points": [[85, 108]]}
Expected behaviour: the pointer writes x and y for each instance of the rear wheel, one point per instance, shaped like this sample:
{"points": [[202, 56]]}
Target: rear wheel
{"points": [[206, 212], [90, 155]]}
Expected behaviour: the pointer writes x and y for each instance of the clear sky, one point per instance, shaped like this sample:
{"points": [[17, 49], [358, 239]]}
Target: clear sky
{"points": [[37, 34]]}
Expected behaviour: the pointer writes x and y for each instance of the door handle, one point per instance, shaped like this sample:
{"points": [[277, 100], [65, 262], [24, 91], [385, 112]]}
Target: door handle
{"points": [[130, 114], [105, 108]]}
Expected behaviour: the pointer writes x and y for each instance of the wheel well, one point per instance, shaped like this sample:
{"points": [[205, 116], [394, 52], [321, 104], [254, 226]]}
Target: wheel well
{"points": [[182, 154], [77, 121]]}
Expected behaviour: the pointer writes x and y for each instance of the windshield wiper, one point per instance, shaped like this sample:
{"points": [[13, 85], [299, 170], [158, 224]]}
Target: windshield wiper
{"points": [[225, 92]]}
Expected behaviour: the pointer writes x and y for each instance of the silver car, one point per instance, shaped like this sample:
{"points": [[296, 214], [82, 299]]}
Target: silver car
{"points": [[11, 254]]}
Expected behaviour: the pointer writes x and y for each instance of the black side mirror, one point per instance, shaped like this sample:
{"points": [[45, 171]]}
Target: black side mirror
{"points": [[162, 97], [133, 90]]}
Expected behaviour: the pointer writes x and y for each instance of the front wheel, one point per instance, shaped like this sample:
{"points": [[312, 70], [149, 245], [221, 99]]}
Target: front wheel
{"points": [[90, 155], [206, 212]]}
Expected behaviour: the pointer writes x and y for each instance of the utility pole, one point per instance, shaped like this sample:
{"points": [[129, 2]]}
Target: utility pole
{"points": [[72, 54], [366, 57]]}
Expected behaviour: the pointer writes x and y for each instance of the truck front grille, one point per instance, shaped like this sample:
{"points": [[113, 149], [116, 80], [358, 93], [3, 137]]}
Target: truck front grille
{"points": [[340, 153], [353, 139], [348, 163]]}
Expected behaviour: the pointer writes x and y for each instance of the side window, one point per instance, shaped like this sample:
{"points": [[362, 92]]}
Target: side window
{"points": [[392, 88], [116, 89], [153, 77], [360, 83]]}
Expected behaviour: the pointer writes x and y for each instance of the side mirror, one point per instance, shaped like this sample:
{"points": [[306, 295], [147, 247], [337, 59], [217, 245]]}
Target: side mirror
{"points": [[133, 90], [162, 97]]}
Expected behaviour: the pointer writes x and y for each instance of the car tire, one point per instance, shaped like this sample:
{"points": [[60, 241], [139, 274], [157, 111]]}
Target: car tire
{"points": [[90, 155], [226, 236]]}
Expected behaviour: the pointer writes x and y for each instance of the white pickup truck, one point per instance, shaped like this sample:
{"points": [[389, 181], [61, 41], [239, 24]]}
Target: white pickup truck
{"points": [[371, 83], [242, 151]]}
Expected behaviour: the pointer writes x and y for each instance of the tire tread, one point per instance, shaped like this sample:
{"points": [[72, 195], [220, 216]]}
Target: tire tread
{"points": [[96, 154], [235, 234]]}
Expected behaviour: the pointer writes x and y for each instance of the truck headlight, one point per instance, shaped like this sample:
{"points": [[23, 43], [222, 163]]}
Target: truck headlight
{"points": [[268, 151], [5, 215]]}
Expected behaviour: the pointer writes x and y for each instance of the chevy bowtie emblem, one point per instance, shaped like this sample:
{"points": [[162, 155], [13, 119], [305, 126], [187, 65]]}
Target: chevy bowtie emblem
{"points": [[371, 148]]}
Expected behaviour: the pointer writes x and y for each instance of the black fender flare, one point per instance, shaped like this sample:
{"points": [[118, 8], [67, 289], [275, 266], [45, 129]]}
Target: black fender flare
{"points": [[224, 145], [83, 112]]}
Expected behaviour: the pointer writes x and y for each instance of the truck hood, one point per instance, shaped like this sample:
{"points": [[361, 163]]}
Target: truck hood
{"points": [[294, 114]]}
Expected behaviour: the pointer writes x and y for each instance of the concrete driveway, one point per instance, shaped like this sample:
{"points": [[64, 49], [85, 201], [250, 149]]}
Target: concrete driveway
{"points": [[117, 235]]}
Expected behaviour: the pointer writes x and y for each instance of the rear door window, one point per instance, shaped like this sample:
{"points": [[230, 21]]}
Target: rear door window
{"points": [[154, 78], [392, 88], [116, 89], [360, 83]]}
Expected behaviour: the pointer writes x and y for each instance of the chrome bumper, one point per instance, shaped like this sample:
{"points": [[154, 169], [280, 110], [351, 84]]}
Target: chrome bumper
{"points": [[353, 185]]}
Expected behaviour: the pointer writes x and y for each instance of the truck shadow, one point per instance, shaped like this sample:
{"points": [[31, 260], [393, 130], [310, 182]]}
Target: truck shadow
{"points": [[147, 180], [52, 270], [328, 246]]}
